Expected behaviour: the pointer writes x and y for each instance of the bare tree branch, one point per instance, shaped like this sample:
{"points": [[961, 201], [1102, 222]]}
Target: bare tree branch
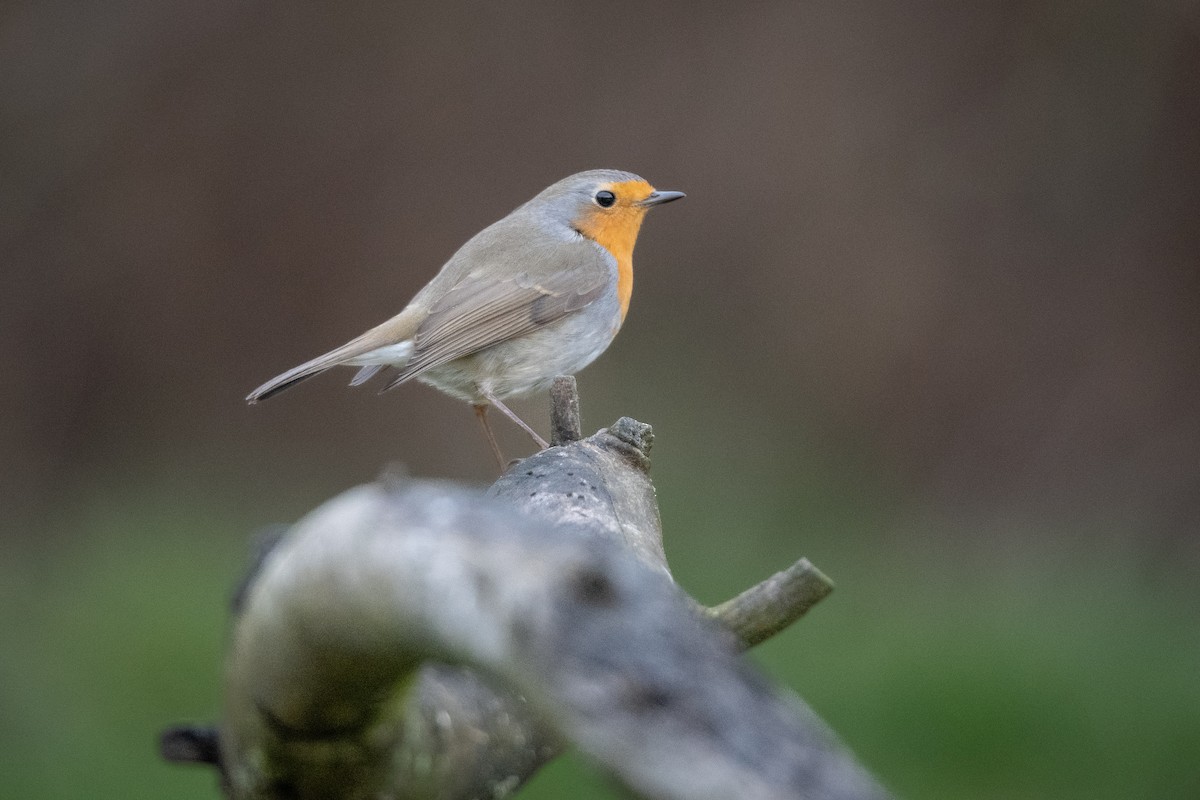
{"points": [[764, 610], [377, 581], [416, 641]]}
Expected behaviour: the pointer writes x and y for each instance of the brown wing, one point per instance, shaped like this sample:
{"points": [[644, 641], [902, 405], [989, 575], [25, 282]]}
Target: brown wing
{"points": [[480, 312]]}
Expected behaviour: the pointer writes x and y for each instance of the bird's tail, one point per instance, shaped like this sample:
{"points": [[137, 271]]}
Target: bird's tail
{"points": [[389, 344], [371, 358], [296, 374]]}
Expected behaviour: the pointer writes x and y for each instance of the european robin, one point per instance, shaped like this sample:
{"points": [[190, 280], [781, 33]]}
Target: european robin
{"points": [[540, 293]]}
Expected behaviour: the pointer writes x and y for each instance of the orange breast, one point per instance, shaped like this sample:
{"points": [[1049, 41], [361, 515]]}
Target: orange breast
{"points": [[616, 229]]}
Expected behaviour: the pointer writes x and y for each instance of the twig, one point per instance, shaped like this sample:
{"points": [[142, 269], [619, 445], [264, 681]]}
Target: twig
{"points": [[764, 610], [565, 425]]}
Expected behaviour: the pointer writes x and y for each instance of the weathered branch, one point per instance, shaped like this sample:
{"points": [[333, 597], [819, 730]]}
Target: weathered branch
{"points": [[617, 458], [604, 648], [598, 487], [546, 631]]}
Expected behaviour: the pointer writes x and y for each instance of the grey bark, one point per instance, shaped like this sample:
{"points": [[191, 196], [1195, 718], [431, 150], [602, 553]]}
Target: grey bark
{"points": [[416, 640]]}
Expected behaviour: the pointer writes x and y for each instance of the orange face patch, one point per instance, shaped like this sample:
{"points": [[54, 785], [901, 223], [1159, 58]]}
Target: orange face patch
{"points": [[616, 228]]}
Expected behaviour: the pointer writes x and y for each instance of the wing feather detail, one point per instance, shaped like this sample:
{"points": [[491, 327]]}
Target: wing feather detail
{"points": [[480, 312]]}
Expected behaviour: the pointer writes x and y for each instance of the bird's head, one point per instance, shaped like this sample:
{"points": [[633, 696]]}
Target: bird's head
{"points": [[605, 205]]}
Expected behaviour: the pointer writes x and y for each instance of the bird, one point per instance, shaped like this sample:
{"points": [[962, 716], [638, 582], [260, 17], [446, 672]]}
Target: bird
{"points": [[540, 293]]}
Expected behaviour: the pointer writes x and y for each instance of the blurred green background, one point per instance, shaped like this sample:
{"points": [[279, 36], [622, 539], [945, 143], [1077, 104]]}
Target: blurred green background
{"points": [[929, 316]]}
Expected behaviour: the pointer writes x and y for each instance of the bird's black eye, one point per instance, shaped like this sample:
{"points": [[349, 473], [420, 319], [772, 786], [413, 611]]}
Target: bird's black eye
{"points": [[605, 198]]}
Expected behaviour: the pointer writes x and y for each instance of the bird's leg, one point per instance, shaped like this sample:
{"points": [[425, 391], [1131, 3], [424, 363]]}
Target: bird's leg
{"points": [[491, 398], [481, 415]]}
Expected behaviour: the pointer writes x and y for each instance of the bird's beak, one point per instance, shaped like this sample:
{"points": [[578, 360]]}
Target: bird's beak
{"points": [[658, 198]]}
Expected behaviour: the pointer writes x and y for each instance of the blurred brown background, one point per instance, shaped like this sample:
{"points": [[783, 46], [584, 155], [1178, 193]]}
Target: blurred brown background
{"points": [[937, 268], [957, 241]]}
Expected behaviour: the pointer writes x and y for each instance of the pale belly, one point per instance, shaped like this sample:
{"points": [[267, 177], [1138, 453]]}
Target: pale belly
{"points": [[530, 363]]}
